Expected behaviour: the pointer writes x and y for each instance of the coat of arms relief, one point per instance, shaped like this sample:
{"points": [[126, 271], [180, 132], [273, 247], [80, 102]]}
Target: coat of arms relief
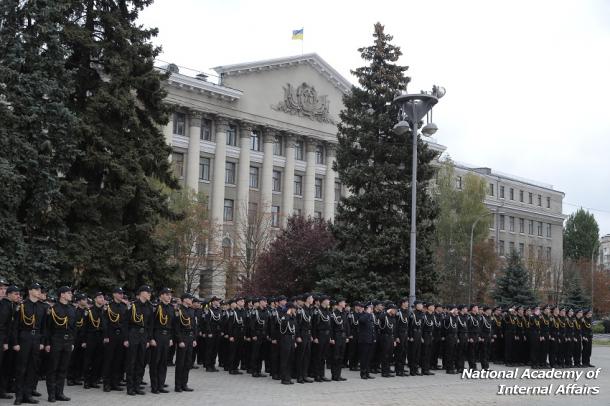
{"points": [[304, 101]]}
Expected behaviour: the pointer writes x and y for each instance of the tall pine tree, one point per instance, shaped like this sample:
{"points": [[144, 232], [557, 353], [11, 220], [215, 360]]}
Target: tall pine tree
{"points": [[112, 201], [36, 144], [514, 285], [374, 163], [573, 294]]}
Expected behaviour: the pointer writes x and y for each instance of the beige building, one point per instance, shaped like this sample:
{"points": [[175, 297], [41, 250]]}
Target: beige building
{"points": [[261, 139], [604, 252]]}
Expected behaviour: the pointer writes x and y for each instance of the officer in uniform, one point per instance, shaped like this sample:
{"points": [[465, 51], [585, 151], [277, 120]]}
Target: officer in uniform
{"points": [[486, 335], [497, 353], [304, 338], [163, 329], [366, 340], [338, 339], [535, 338], [509, 325], [450, 334], [139, 324], [27, 335], [115, 334], [236, 331], [427, 340], [402, 337], [416, 321], [577, 344], [463, 338], [75, 372], [321, 336], [437, 342], [387, 338], [545, 336], [352, 346], [587, 339], [287, 330], [259, 330], [186, 341], [60, 335], [474, 330], [6, 318], [94, 325], [213, 327]]}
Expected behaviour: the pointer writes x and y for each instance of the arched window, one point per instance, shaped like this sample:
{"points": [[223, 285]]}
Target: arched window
{"points": [[226, 247]]}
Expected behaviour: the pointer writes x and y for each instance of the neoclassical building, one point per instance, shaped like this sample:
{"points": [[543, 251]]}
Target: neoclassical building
{"points": [[262, 139]]}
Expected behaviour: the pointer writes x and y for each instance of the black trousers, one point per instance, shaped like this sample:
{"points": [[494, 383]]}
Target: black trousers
{"points": [[3, 368], [415, 352], [322, 353], [534, 349], [509, 354], [158, 360], [136, 358], [544, 350], [577, 350], [470, 352], [485, 352], [200, 350], [386, 342], [553, 351], [565, 351], [364, 352], [114, 354], [436, 351], [352, 353], [94, 352], [184, 362], [450, 356], [303, 356], [256, 354], [462, 349], [426, 353], [211, 350], [286, 355], [235, 352], [59, 360], [337, 361], [26, 364], [400, 353], [275, 359], [587, 346]]}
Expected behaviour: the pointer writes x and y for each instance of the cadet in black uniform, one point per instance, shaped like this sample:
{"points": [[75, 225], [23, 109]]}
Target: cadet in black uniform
{"points": [[487, 340], [259, 331], [352, 346], [94, 325], [6, 319], [402, 337], [474, 328], [236, 331], [60, 335], [509, 325], [304, 338], [163, 330], [366, 340], [462, 345], [138, 337], [577, 344], [427, 338], [186, 341], [535, 338], [338, 339], [27, 335], [75, 372], [387, 338], [437, 342], [545, 337], [587, 339], [115, 334], [287, 329], [497, 354], [416, 321], [321, 336], [450, 334], [213, 331]]}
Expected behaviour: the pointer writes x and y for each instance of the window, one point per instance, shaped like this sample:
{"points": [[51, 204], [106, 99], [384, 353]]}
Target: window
{"points": [[228, 210], [255, 141], [254, 177], [540, 200], [204, 168], [501, 247], [540, 252], [531, 251], [501, 192], [337, 191], [298, 150], [226, 247], [511, 247], [521, 196], [530, 199], [178, 163], [511, 224], [548, 230], [319, 154], [492, 223], [252, 212], [179, 124], [491, 189], [531, 227], [501, 221], [206, 130], [277, 145], [512, 194], [548, 202], [522, 225], [277, 181], [318, 185], [540, 228], [296, 212], [548, 254], [275, 216], [231, 136], [230, 173], [317, 215], [521, 249], [298, 185], [458, 183]]}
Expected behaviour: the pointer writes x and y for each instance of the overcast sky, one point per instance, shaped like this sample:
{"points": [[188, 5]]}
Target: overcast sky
{"points": [[527, 81]]}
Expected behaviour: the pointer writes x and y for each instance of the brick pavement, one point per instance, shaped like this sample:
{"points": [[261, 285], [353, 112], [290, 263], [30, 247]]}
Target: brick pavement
{"points": [[440, 390]]}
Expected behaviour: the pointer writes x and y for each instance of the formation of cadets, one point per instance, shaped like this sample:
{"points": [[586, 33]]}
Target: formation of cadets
{"points": [[107, 342]]}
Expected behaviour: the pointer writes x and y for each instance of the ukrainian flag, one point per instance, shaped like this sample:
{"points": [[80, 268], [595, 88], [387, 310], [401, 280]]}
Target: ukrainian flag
{"points": [[297, 34]]}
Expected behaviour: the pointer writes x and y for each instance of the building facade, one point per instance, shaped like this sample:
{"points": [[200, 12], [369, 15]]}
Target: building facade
{"points": [[604, 252]]}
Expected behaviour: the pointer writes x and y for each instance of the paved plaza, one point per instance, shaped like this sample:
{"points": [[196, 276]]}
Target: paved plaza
{"points": [[222, 389]]}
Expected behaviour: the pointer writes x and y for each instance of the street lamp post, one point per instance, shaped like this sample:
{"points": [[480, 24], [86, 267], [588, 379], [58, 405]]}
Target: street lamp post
{"points": [[413, 107]]}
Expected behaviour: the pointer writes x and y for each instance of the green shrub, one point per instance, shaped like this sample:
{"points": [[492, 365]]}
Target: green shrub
{"points": [[598, 328]]}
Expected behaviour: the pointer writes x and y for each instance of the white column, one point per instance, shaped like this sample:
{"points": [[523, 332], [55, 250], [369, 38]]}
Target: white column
{"points": [[288, 185], [329, 186], [168, 131], [310, 177], [218, 198], [192, 161], [243, 176], [267, 175]]}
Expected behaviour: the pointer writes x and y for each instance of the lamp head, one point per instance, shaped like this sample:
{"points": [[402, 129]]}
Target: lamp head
{"points": [[401, 128], [429, 129]]}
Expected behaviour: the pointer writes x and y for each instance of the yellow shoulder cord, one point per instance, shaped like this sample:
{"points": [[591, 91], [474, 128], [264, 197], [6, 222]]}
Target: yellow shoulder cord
{"points": [[60, 321], [138, 319], [112, 316], [94, 323], [185, 321], [28, 321], [162, 319]]}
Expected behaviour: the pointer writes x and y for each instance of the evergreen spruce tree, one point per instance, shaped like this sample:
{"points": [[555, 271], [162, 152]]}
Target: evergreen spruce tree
{"points": [[514, 285], [573, 294], [374, 163], [36, 145], [112, 200]]}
